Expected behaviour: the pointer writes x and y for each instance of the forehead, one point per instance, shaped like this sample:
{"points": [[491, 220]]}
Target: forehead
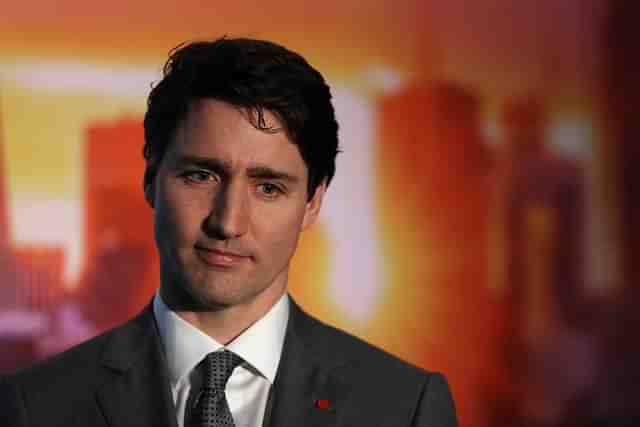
{"points": [[218, 130]]}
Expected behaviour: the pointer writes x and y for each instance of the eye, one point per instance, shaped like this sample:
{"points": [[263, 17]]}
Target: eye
{"points": [[270, 190], [197, 176]]}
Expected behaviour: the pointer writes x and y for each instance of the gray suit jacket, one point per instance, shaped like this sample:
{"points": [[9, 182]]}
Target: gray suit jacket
{"points": [[120, 379]]}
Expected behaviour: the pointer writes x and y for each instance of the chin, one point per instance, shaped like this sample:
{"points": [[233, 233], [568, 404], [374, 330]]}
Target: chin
{"points": [[208, 299], [216, 295]]}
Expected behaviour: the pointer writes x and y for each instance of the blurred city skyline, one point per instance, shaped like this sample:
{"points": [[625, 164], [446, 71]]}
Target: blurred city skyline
{"points": [[62, 82], [44, 175], [471, 227]]}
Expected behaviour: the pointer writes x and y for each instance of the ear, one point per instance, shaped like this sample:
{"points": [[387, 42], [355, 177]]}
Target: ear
{"points": [[149, 194], [312, 209]]}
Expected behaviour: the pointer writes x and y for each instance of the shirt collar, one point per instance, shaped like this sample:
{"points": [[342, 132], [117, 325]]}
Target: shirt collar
{"points": [[185, 345]]}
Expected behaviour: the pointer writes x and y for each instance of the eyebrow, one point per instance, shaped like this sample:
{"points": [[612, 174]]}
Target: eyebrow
{"points": [[209, 163], [265, 172], [224, 168]]}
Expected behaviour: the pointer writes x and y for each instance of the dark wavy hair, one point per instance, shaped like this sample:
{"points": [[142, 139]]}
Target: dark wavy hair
{"points": [[254, 74]]}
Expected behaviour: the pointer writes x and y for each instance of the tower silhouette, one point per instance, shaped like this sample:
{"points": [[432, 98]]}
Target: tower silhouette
{"points": [[8, 288], [433, 166], [118, 223], [4, 216]]}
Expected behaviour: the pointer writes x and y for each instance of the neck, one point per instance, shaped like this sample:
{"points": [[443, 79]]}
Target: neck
{"points": [[225, 325]]}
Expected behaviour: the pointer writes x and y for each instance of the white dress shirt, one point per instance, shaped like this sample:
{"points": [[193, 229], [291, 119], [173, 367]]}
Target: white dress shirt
{"points": [[260, 346]]}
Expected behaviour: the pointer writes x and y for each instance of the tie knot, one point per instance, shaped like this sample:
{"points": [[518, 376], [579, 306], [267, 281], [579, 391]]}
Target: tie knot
{"points": [[218, 367]]}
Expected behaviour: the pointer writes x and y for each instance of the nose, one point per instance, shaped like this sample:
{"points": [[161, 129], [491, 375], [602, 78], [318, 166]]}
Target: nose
{"points": [[229, 215]]}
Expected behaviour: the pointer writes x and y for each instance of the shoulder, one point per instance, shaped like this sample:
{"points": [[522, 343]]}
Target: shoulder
{"points": [[79, 366], [52, 386], [344, 345], [379, 378], [61, 371], [337, 343], [362, 359], [61, 388]]}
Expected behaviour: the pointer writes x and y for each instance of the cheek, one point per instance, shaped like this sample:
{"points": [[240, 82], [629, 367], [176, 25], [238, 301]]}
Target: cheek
{"points": [[178, 219], [278, 234]]}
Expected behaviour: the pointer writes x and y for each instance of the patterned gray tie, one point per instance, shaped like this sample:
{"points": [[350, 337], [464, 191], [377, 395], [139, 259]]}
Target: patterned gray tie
{"points": [[212, 409]]}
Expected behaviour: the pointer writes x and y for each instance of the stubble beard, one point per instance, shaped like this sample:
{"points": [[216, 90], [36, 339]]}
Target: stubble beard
{"points": [[192, 286]]}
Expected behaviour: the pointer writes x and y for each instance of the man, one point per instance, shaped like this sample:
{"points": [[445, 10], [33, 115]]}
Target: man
{"points": [[240, 144]]}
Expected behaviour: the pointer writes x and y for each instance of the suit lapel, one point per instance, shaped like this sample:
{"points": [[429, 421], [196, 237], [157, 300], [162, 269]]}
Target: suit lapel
{"points": [[309, 388], [138, 393]]}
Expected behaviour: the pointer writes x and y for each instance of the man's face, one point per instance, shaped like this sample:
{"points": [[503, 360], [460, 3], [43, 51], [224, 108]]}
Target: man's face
{"points": [[230, 202]]}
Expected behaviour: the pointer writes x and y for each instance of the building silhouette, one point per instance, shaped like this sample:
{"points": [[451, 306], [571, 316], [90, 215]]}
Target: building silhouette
{"points": [[5, 237], [119, 276], [40, 275], [614, 400], [432, 169], [30, 288], [10, 292], [7, 267], [542, 211]]}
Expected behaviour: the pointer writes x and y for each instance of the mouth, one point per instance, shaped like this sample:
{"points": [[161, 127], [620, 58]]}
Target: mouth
{"points": [[219, 258]]}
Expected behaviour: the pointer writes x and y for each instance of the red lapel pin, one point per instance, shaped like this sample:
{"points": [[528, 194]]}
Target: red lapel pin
{"points": [[323, 404]]}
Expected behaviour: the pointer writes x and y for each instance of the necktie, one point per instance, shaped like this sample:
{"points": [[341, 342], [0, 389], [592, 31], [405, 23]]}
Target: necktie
{"points": [[211, 408]]}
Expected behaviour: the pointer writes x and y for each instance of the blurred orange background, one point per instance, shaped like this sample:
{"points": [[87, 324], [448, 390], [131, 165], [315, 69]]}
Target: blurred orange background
{"points": [[474, 225]]}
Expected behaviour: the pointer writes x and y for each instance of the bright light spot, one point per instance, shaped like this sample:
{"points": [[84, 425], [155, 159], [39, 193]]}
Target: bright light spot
{"points": [[572, 137], [386, 79], [70, 77], [492, 132], [349, 211], [51, 223], [23, 323]]}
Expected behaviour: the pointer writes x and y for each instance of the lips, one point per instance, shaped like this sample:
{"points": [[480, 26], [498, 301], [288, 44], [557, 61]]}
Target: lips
{"points": [[219, 258]]}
